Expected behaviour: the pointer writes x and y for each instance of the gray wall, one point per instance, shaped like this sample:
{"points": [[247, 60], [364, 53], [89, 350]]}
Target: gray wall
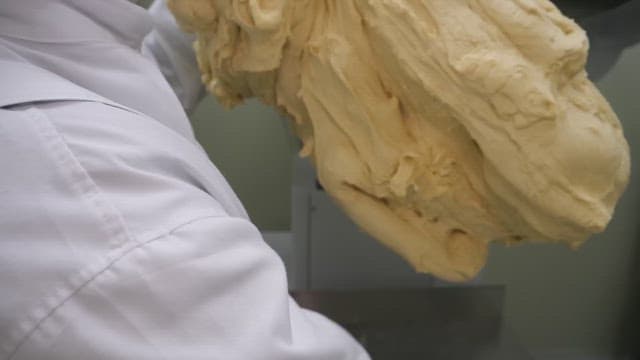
{"points": [[251, 145]]}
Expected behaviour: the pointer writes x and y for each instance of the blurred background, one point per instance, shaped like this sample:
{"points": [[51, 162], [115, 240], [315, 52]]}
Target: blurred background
{"points": [[558, 303]]}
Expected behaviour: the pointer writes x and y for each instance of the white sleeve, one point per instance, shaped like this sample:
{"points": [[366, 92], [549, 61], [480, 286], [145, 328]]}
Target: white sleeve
{"points": [[116, 243], [172, 50], [209, 289]]}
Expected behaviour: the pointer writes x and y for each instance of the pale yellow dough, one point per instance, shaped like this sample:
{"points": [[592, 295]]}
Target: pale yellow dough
{"points": [[439, 126]]}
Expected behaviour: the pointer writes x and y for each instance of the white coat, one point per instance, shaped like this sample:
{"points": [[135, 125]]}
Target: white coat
{"points": [[119, 239]]}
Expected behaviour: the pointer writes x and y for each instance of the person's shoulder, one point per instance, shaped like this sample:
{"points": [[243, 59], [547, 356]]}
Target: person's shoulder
{"points": [[104, 120], [81, 117], [76, 108]]}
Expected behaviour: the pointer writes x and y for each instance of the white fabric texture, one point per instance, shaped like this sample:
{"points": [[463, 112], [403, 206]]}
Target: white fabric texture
{"points": [[118, 237]]}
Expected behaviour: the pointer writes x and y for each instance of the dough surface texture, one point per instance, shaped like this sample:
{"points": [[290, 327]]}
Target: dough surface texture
{"points": [[439, 126]]}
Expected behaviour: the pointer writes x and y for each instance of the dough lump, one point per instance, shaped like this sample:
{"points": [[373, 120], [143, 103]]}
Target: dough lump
{"points": [[439, 126]]}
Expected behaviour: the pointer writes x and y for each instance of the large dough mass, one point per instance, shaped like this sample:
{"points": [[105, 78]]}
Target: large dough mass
{"points": [[439, 126]]}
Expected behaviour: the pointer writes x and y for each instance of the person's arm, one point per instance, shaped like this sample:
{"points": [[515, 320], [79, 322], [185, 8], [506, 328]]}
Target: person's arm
{"points": [[121, 241], [172, 50]]}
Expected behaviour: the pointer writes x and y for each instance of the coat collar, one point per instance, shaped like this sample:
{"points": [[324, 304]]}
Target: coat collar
{"points": [[23, 83], [62, 21], [84, 50]]}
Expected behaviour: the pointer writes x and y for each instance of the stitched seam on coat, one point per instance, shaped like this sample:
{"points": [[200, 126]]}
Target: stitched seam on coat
{"points": [[79, 179], [88, 274]]}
